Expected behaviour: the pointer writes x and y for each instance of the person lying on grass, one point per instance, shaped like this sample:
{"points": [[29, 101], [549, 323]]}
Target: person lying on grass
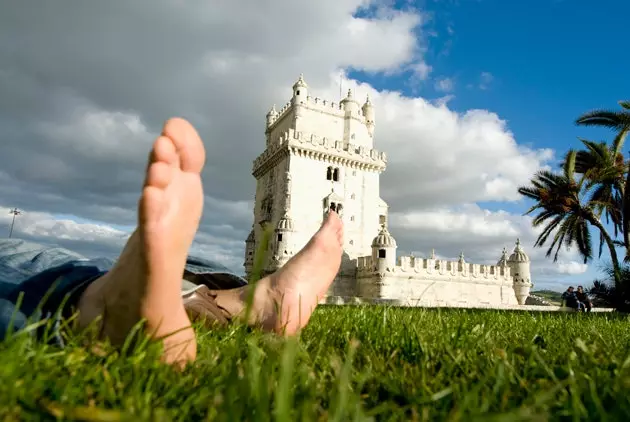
{"points": [[145, 283]]}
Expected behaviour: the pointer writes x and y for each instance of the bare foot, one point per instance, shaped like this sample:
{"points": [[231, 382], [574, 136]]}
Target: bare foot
{"points": [[297, 287], [145, 282]]}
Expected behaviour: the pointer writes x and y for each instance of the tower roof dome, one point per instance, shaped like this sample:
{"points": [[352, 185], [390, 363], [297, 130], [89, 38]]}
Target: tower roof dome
{"points": [[285, 224], [504, 258], [273, 112], [301, 83], [384, 239], [367, 103], [519, 254]]}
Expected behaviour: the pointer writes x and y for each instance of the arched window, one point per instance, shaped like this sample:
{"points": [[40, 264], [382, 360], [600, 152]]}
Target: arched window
{"points": [[329, 173], [333, 206], [382, 253], [336, 175]]}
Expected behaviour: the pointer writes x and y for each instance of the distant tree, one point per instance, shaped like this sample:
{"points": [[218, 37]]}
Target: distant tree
{"points": [[607, 294]]}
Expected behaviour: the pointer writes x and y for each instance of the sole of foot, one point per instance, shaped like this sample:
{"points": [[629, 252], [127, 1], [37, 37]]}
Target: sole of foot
{"points": [[145, 283]]}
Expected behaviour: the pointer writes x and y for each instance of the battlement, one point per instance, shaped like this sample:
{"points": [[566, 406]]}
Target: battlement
{"points": [[350, 155], [316, 104], [410, 265]]}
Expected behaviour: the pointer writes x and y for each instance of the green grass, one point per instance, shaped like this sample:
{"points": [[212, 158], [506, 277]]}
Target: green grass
{"points": [[351, 363]]}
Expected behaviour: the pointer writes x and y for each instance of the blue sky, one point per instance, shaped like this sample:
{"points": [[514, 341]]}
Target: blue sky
{"points": [[545, 62]]}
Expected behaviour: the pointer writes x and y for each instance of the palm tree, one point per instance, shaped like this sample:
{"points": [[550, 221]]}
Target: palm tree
{"points": [[603, 170], [561, 207], [618, 121]]}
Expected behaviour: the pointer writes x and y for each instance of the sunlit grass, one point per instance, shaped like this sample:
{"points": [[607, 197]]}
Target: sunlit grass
{"points": [[351, 363]]}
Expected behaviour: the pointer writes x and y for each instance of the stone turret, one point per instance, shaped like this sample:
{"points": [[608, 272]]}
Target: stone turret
{"points": [[349, 105], [283, 248], [368, 114], [503, 261], [519, 264], [250, 246], [300, 91], [272, 115], [384, 250]]}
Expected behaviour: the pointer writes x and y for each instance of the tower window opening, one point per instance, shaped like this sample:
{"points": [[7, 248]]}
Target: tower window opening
{"points": [[279, 237], [333, 206], [336, 175], [297, 92], [329, 173], [339, 208], [382, 253], [354, 172], [382, 219], [352, 218]]}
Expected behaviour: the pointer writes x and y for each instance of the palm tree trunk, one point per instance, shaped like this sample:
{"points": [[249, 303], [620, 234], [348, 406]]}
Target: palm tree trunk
{"points": [[613, 256], [625, 215]]}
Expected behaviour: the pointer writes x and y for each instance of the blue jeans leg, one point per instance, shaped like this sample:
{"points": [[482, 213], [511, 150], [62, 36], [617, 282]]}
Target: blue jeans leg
{"points": [[40, 282]]}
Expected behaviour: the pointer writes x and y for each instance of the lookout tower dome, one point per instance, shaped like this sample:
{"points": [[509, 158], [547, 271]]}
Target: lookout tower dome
{"points": [[300, 91], [519, 264], [283, 243], [384, 250]]}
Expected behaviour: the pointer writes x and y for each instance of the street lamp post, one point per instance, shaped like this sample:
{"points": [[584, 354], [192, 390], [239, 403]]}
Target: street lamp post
{"points": [[15, 212]]}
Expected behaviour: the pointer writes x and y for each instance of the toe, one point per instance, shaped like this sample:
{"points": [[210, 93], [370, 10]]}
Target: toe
{"points": [[188, 144], [164, 151], [159, 175]]}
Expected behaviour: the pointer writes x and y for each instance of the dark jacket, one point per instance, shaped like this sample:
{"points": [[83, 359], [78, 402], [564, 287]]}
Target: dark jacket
{"points": [[570, 299], [582, 297]]}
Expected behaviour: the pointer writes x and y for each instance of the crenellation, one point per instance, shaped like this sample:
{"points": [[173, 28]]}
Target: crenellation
{"points": [[354, 155], [314, 104], [431, 267]]}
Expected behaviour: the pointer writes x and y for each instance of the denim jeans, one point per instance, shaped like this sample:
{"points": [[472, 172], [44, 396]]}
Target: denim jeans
{"points": [[40, 283]]}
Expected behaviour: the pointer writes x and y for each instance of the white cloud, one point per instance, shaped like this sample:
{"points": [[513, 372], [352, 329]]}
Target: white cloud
{"points": [[572, 267], [76, 140], [445, 85]]}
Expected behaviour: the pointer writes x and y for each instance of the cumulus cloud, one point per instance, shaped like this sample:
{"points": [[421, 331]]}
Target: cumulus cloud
{"points": [[572, 267], [91, 83], [444, 84]]}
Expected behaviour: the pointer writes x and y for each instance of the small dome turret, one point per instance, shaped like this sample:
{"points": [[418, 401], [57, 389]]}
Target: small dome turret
{"points": [[300, 91], [519, 254], [285, 224], [349, 104], [368, 109], [384, 239], [272, 115], [503, 261], [300, 83]]}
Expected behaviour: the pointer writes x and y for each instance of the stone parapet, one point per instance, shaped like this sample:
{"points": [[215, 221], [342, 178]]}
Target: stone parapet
{"points": [[319, 148], [421, 267], [352, 300]]}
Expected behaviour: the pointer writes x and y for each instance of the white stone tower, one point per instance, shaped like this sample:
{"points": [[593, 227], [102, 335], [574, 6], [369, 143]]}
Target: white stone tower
{"points": [[384, 251], [519, 264], [319, 155]]}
